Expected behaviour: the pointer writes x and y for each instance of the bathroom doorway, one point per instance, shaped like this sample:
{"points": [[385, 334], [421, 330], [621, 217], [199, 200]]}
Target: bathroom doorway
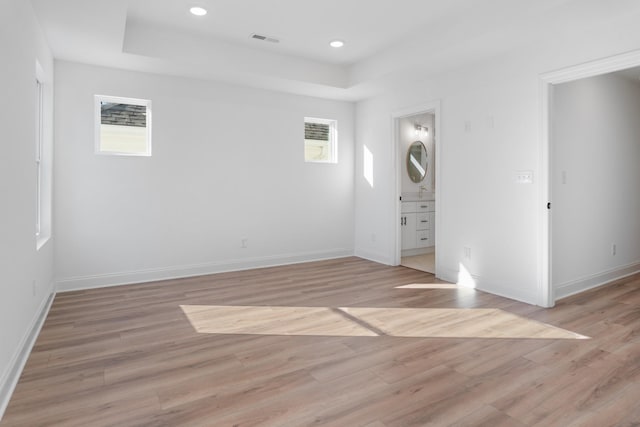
{"points": [[416, 148]]}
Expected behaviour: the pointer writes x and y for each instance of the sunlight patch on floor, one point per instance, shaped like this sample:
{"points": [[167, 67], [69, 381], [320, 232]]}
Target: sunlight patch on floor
{"points": [[369, 322], [457, 323], [213, 319]]}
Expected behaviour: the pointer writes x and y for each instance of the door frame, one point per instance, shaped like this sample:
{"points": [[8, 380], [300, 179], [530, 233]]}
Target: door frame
{"points": [[546, 295], [430, 107]]}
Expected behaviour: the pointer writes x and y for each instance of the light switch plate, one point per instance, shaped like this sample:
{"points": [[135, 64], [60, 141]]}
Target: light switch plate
{"points": [[524, 177]]}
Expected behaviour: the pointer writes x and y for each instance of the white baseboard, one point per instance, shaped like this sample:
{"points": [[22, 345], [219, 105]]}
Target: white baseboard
{"points": [[373, 256], [591, 281], [491, 287], [447, 274], [11, 376], [176, 272], [506, 291]]}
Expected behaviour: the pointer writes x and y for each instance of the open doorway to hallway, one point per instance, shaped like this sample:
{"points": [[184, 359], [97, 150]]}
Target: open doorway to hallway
{"points": [[595, 148], [597, 168]]}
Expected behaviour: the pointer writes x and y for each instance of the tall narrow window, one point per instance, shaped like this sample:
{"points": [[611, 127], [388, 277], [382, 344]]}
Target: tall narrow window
{"points": [[43, 154], [320, 140], [123, 126], [39, 155]]}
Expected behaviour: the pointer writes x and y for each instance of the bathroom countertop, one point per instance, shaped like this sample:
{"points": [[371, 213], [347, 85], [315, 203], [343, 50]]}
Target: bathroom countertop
{"points": [[415, 197]]}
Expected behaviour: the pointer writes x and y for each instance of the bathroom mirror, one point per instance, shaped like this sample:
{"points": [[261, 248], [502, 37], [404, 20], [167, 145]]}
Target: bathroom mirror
{"points": [[417, 161]]}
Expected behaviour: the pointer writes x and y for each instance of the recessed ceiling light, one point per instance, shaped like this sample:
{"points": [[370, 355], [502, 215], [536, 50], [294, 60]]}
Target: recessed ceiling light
{"points": [[336, 43], [198, 11]]}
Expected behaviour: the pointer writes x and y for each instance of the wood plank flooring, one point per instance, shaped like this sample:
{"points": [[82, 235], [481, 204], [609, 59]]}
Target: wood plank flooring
{"points": [[343, 342]]}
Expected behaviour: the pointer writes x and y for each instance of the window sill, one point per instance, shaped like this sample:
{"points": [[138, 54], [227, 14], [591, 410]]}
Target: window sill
{"points": [[42, 240], [326, 162]]}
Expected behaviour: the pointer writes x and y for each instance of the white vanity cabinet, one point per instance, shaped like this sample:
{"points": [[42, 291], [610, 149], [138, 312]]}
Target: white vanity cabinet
{"points": [[417, 224], [408, 226]]}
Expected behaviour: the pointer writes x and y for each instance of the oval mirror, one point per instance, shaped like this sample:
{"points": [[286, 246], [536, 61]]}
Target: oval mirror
{"points": [[417, 161]]}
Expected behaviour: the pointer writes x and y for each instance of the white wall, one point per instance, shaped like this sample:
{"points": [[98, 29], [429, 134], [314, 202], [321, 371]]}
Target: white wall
{"points": [[227, 164], [480, 205], [21, 264], [596, 202]]}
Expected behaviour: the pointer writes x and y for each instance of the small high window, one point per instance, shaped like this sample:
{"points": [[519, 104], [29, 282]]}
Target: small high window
{"points": [[320, 140], [123, 126]]}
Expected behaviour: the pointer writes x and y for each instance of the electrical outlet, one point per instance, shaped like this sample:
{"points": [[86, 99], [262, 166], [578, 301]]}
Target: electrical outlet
{"points": [[244, 243], [373, 237], [467, 252], [467, 126]]}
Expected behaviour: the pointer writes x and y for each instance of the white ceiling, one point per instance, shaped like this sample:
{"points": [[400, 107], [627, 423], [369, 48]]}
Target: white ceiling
{"points": [[383, 38], [305, 28]]}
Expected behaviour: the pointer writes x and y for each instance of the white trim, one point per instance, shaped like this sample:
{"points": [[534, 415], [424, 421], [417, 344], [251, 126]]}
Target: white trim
{"points": [[39, 155], [42, 240], [594, 280], [333, 139], [431, 107], [375, 257], [547, 80], [504, 289], [176, 272], [12, 374], [545, 291], [594, 68], [43, 157], [449, 275]]}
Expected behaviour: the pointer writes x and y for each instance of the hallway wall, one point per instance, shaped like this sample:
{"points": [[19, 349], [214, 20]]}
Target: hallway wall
{"points": [[595, 180]]}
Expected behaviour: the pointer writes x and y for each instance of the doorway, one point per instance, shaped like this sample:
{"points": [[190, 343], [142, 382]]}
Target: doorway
{"points": [[416, 152], [547, 289]]}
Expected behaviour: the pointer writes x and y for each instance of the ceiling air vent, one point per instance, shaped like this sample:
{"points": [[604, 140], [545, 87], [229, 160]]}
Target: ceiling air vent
{"points": [[264, 38]]}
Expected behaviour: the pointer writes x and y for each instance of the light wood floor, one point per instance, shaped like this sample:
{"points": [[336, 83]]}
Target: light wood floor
{"points": [[425, 262], [343, 343]]}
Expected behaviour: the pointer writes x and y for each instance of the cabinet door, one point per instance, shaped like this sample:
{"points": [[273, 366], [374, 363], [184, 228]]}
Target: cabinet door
{"points": [[408, 227]]}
